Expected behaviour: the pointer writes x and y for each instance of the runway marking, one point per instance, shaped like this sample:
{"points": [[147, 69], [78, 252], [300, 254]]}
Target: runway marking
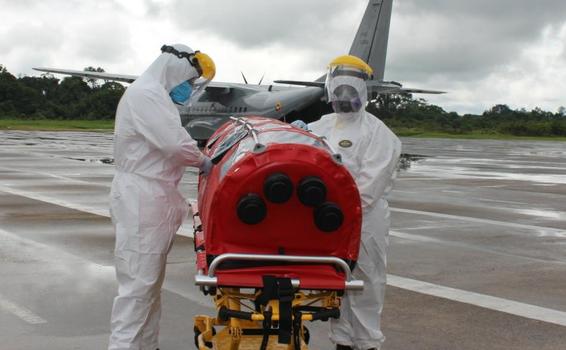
{"points": [[55, 176], [20, 311], [483, 249], [414, 177], [478, 220], [185, 230], [507, 306], [108, 271], [51, 200], [497, 201], [471, 298]]}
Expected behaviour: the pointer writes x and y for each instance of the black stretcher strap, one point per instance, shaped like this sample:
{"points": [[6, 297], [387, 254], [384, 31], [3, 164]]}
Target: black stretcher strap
{"points": [[286, 295], [268, 293], [278, 289], [266, 329]]}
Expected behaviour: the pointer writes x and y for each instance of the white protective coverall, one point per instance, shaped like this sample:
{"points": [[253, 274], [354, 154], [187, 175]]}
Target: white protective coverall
{"points": [[371, 152], [151, 150]]}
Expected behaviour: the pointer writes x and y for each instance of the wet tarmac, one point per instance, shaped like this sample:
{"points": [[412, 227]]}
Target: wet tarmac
{"points": [[477, 257]]}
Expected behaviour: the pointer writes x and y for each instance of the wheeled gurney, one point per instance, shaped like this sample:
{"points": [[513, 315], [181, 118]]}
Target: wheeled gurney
{"points": [[276, 233]]}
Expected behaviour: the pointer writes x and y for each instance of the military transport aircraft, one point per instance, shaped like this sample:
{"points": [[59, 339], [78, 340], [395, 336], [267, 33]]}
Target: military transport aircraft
{"points": [[223, 100]]}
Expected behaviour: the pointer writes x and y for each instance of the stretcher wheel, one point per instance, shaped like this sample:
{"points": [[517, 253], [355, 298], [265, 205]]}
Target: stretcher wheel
{"points": [[197, 333], [307, 337]]}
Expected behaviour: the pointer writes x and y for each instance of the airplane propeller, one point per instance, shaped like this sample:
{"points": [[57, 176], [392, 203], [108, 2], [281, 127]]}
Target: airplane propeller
{"points": [[243, 76], [246, 80]]}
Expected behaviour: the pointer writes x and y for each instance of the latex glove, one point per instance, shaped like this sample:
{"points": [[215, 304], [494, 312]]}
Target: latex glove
{"points": [[206, 166], [300, 124]]}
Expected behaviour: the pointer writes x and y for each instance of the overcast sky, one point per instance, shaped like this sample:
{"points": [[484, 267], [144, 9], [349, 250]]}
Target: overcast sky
{"points": [[482, 52]]}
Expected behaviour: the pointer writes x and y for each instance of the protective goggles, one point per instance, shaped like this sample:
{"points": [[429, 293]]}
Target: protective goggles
{"points": [[191, 57], [347, 72]]}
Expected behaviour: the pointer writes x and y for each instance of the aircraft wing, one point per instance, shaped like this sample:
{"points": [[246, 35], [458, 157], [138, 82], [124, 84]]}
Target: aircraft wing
{"points": [[214, 87], [94, 75], [421, 91], [301, 83], [380, 87], [393, 87]]}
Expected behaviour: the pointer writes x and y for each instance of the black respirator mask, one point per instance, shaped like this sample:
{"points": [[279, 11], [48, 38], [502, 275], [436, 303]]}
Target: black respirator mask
{"points": [[346, 99]]}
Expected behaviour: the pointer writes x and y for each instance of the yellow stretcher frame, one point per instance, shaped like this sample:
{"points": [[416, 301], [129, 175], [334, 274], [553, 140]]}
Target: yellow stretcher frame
{"points": [[231, 335]]}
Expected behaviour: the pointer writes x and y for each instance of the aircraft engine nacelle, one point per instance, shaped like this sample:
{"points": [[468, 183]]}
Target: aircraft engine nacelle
{"points": [[278, 190]]}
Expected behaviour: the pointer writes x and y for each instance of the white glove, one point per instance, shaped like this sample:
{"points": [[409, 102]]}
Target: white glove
{"points": [[206, 166], [300, 124]]}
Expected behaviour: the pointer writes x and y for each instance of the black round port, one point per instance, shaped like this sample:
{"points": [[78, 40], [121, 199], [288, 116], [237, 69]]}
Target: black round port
{"points": [[278, 188], [312, 191], [251, 209], [328, 217]]}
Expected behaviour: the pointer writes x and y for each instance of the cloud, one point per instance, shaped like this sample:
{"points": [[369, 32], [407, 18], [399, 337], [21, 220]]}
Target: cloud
{"points": [[482, 52], [251, 23], [465, 39], [291, 39], [26, 43], [70, 33], [155, 8], [535, 77], [30, 37], [104, 40]]}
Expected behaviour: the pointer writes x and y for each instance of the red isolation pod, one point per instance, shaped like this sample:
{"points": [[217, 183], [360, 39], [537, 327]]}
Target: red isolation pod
{"points": [[276, 189]]}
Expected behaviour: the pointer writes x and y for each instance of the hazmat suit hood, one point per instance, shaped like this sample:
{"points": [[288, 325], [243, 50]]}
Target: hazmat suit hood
{"points": [[347, 94], [169, 70]]}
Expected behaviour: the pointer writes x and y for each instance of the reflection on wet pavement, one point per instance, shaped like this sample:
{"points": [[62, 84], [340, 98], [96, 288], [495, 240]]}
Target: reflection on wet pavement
{"points": [[539, 163], [406, 160], [485, 217], [101, 160]]}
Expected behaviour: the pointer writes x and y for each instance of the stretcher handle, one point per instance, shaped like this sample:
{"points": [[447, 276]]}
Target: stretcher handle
{"points": [[211, 280]]}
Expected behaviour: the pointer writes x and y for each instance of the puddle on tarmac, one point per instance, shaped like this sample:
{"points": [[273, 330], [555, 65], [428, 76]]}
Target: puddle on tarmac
{"points": [[107, 161], [406, 160], [94, 160], [544, 213], [50, 138]]}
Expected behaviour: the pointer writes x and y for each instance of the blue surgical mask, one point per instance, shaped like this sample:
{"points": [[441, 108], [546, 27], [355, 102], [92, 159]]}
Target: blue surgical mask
{"points": [[181, 93]]}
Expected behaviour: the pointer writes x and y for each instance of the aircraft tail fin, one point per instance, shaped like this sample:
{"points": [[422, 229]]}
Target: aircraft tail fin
{"points": [[370, 43]]}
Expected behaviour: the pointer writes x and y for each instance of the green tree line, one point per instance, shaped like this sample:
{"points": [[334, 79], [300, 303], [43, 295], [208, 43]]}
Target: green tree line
{"points": [[408, 115], [46, 97], [75, 98]]}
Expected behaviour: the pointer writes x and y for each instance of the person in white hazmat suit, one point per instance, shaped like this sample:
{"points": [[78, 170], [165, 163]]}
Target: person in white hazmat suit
{"points": [[371, 152], [151, 151]]}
